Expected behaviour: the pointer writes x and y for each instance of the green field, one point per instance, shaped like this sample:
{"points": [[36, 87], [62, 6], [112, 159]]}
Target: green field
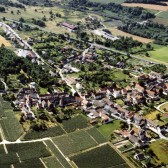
{"points": [[163, 14], [57, 154], [52, 162], [96, 135], [74, 142], [160, 148], [23, 155], [11, 127], [108, 1], [160, 53], [78, 122], [50, 132], [100, 157], [108, 129], [28, 151]]}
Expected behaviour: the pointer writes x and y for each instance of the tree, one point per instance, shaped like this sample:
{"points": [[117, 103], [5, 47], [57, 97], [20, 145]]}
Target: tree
{"points": [[21, 20], [2, 9], [158, 116]]}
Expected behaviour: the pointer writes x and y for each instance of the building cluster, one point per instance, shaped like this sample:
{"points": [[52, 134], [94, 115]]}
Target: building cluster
{"points": [[29, 97]]}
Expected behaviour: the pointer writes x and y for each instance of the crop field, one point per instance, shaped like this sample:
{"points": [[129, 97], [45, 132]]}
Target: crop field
{"points": [[23, 155], [74, 142], [28, 151], [147, 6], [117, 32], [103, 156], [78, 122], [52, 162], [96, 135], [11, 126], [4, 41], [32, 163], [57, 154], [2, 151], [50, 132]]}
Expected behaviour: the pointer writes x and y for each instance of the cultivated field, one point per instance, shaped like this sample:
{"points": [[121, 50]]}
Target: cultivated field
{"points": [[74, 142], [103, 156], [23, 155], [4, 41], [147, 6], [75, 123], [117, 32]]}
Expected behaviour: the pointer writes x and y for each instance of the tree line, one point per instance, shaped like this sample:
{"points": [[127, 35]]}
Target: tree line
{"points": [[136, 12]]}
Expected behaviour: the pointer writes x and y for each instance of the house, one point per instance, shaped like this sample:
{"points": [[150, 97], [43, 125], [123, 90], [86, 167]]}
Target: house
{"points": [[99, 95], [139, 156], [123, 133], [139, 88], [151, 94], [135, 141], [155, 75], [116, 93]]}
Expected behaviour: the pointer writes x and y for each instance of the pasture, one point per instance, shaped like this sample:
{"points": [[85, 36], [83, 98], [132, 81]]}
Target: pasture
{"points": [[159, 53]]}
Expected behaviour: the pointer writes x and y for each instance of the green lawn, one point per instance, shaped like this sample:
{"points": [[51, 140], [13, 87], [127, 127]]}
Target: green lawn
{"points": [[107, 129], [160, 148], [160, 53], [164, 107]]}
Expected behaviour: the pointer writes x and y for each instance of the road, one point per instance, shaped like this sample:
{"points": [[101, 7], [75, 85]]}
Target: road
{"points": [[6, 88]]}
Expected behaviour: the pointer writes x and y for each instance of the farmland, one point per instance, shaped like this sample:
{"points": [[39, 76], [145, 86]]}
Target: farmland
{"points": [[117, 32], [11, 132], [52, 162], [50, 132], [147, 6], [78, 122], [99, 157], [4, 41], [57, 154], [28, 154], [74, 142]]}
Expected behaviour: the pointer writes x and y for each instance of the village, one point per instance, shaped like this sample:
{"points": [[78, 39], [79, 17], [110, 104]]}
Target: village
{"points": [[100, 106]]}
